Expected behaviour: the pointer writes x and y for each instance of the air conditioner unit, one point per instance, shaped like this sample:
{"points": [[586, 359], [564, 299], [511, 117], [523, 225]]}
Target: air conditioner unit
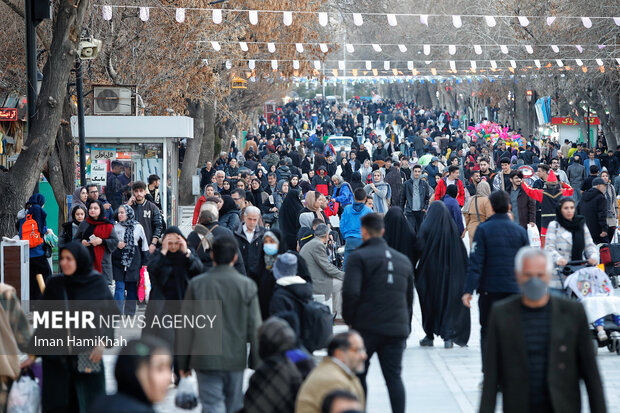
{"points": [[111, 100]]}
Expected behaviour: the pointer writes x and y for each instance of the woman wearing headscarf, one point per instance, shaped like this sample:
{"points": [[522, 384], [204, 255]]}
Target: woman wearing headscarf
{"points": [[38, 261], [71, 382], [289, 218], [313, 205], [344, 169], [226, 187], [366, 171], [399, 234], [342, 193], [70, 228], [449, 199], [258, 194], [356, 181], [97, 234], [80, 196], [281, 192], [380, 192], [479, 209], [128, 258], [229, 213], [142, 372], [440, 278]]}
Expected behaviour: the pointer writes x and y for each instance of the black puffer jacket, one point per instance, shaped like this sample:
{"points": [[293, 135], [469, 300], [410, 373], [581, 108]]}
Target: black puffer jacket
{"points": [[593, 206]]}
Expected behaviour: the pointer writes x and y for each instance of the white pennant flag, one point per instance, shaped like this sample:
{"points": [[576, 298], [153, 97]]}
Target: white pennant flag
{"points": [[587, 22], [427, 49], [452, 49], [410, 65], [144, 13], [253, 15], [376, 47], [368, 65], [555, 48], [550, 20], [216, 46], [559, 62], [452, 65], [490, 21], [493, 64], [537, 63], [477, 49], [323, 47], [513, 64], [579, 62], [341, 64], [457, 22], [180, 15], [107, 12], [504, 49], [228, 65], [599, 62], [529, 49], [296, 64], [274, 64], [217, 16], [617, 21], [299, 47], [618, 60], [386, 65], [243, 46], [474, 66], [402, 48], [350, 48], [523, 21], [252, 64], [271, 47], [391, 18], [358, 19], [428, 62], [578, 46], [287, 18], [424, 19], [323, 19], [317, 64]]}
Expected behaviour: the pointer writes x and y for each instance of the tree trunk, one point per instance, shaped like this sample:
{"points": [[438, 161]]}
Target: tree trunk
{"points": [[523, 115], [422, 96], [207, 150], [192, 152], [60, 170], [612, 100], [17, 185]]}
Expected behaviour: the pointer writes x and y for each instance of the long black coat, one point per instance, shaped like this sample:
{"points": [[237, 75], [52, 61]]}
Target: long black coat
{"points": [[593, 206]]}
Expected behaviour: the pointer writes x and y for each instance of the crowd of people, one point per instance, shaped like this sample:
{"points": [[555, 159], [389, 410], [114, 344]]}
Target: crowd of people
{"points": [[286, 219]]}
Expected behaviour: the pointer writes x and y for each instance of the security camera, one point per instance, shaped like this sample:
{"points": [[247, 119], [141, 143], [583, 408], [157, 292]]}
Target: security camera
{"points": [[89, 48]]}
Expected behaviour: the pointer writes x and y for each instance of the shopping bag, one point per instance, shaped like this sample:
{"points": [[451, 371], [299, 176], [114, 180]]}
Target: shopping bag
{"points": [[186, 397], [533, 235], [24, 396], [141, 288]]}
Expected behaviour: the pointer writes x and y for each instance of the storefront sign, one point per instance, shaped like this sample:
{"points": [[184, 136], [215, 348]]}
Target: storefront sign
{"points": [[102, 154], [8, 114], [98, 173], [594, 120]]}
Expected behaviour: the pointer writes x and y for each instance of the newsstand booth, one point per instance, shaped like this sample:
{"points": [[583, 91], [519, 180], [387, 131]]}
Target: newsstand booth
{"points": [[146, 145]]}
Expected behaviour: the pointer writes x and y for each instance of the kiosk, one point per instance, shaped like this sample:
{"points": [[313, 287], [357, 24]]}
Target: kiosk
{"points": [[146, 145]]}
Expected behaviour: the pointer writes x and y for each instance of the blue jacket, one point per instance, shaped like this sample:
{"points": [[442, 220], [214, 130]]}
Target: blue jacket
{"points": [[491, 261], [351, 220], [455, 212], [345, 196]]}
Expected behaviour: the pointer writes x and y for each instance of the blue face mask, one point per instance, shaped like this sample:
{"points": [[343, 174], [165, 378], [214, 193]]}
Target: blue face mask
{"points": [[270, 249]]}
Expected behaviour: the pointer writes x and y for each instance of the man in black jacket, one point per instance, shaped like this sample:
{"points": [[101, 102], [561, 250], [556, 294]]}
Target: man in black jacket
{"points": [[539, 347], [593, 207], [375, 275], [249, 236], [414, 198], [147, 214]]}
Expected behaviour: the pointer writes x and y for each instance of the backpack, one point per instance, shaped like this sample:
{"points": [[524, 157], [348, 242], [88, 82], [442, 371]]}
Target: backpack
{"points": [[316, 325], [30, 232]]}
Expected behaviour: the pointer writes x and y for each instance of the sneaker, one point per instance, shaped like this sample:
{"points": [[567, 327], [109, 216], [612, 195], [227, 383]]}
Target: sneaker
{"points": [[602, 335], [448, 344], [426, 342]]}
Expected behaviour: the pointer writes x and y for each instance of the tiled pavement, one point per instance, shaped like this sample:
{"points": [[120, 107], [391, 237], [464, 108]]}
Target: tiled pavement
{"points": [[437, 379]]}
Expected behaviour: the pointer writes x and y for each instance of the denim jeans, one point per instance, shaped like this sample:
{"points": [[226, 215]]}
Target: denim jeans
{"points": [[220, 391], [350, 244], [128, 306]]}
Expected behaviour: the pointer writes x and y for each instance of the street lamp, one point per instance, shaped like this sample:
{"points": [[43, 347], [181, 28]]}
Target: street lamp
{"points": [[528, 95]]}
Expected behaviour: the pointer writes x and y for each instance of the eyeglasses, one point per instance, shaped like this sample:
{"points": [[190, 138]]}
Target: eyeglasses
{"points": [[93, 192], [236, 199]]}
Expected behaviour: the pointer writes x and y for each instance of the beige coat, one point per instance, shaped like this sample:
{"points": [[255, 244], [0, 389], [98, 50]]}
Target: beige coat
{"points": [[325, 378], [471, 218]]}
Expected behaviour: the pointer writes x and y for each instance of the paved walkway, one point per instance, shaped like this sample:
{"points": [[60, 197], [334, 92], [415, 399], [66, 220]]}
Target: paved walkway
{"points": [[436, 379]]}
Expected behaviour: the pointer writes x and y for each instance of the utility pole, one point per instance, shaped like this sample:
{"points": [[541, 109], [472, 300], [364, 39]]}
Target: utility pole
{"points": [[79, 90], [36, 11], [344, 58]]}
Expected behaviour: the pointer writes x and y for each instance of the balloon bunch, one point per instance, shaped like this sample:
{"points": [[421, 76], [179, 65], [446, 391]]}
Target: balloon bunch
{"points": [[492, 132]]}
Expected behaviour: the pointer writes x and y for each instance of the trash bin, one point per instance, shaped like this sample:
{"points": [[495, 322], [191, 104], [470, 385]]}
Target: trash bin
{"points": [[15, 268]]}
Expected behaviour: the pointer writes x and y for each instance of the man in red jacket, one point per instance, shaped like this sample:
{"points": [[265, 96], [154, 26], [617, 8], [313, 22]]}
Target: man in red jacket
{"points": [[451, 179]]}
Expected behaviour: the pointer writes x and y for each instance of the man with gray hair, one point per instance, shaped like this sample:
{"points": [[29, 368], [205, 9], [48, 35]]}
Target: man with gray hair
{"points": [[539, 347], [206, 230], [326, 277], [250, 239], [219, 180]]}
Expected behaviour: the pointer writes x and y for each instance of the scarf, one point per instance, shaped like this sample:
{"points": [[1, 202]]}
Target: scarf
{"points": [[130, 224], [575, 227], [100, 228]]}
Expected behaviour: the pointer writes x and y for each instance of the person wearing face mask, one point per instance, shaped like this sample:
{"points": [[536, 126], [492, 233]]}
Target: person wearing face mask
{"points": [[539, 347], [142, 373]]}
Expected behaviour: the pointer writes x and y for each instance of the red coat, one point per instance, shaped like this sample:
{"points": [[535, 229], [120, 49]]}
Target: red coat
{"points": [[440, 191], [201, 201]]}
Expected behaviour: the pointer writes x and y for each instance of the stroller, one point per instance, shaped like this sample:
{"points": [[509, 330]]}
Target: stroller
{"points": [[610, 256], [593, 288]]}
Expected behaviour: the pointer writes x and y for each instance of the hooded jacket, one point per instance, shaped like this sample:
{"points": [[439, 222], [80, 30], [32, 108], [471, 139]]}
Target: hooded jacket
{"points": [[351, 220], [593, 206]]}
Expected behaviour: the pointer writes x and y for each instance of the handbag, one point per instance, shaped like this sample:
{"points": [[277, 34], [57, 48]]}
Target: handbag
{"points": [[84, 363]]}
